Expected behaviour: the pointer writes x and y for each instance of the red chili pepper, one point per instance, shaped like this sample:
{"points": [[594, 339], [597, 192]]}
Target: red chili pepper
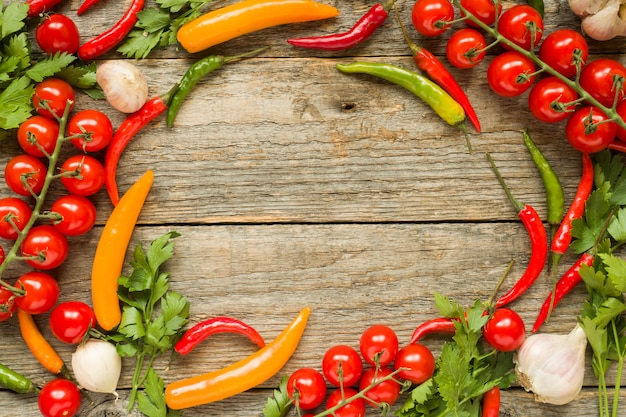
{"points": [[220, 324], [538, 239], [442, 325], [87, 4], [491, 403], [564, 286], [618, 145], [110, 38], [359, 33], [36, 7]]}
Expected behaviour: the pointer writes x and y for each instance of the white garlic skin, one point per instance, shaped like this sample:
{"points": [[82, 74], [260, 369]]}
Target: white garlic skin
{"points": [[601, 19], [552, 366], [97, 366], [124, 85]]}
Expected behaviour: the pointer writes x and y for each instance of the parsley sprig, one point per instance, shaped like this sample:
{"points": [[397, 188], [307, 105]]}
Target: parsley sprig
{"points": [[156, 27]]}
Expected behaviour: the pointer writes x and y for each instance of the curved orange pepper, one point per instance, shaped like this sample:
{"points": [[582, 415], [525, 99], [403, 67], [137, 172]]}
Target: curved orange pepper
{"points": [[109, 258], [240, 376], [38, 345], [245, 17]]}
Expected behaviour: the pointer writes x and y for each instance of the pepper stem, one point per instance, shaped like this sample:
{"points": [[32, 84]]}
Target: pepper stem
{"points": [[519, 206], [499, 284], [246, 54]]}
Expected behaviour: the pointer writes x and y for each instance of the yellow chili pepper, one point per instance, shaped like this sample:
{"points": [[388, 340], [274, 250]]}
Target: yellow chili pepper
{"points": [[109, 258], [240, 376], [248, 16], [38, 345]]}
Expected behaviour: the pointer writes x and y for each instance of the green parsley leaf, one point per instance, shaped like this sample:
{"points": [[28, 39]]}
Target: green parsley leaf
{"points": [[131, 324], [15, 103], [49, 66], [279, 404], [152, 402], [13, 18]]}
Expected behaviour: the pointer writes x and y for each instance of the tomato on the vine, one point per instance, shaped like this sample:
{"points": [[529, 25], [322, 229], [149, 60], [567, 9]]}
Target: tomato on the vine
{"points": [[310, 387], [56, 94], [13, 213], [342, 364], [41, 292], [589, 130], [597, 78], [419, 362], [379, 342], [551, 100], [28, 168], [92, 122], [483, 10], [47, 246], [432, 17], [78, 214], [563, 49], [354, 408], [621, 111], [57, 33], [89, 177], [59, 398], [522, 25], [7, 303], [38, 135], [466, 48], [505, 330], [510, 74], [71, 320], [386, 391]]}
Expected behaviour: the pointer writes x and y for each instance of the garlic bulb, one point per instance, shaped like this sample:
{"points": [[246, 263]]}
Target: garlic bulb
{"points": [[97, 366], [601, 19], [552, 366], [124, 85]]}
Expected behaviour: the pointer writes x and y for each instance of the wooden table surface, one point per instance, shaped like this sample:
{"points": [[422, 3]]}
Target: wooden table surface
{"points": [[293, 184]]}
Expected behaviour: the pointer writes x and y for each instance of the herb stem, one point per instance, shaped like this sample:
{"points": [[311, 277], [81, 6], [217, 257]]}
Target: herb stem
{"points": [[620, 368]]}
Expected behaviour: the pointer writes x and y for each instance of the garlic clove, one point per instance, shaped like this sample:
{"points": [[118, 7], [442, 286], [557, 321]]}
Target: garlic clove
{"points": [[586, 7], [97, 366], [608, 22], [124, 85]]}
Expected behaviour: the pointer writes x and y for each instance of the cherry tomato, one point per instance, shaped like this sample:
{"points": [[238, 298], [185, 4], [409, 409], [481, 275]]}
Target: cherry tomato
{"points": [[505, 330], [59, 398], [466, 48], [522, 25], [597, 79], [31, 169], [383, 392], [13, 211], [310, 387], [354, 408], [1, 255], [432, 17], [89, 177], [379, 341], [342, 364], [42, 292], [46, 242], [419, 361], [620, 132], [38, 135], [510, 74], [94, 122], [55, 93], [547, 100], [588, 130], [57, 33], [78, 214], [560, 48], [483, 10], [71, 320], [7, 304]]}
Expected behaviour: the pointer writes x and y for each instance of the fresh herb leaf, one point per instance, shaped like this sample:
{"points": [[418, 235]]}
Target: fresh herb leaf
{"points": [[279, 404], [12, 19], [152, 402], [49, 66]]}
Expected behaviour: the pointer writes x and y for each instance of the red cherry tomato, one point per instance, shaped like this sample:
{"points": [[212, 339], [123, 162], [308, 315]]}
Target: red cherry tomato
{"points": [[620, 132], [38, 136], [522, 25], [559, 49], [383, 392], [59, 398], [57, 33], [588, 130], [432, 17], [71, 320], [466, 48], [41, 292], [31, 169], [505, 330], [96, 124], [7, 303], [354, 408], [342, 364], [90, 175], [19, 213], [78, 214], [510, 74], [379, 341], [46, 243], [310, 387], [548, 100], [483, 10], [56, 93], [597, 79], [419, 361]]}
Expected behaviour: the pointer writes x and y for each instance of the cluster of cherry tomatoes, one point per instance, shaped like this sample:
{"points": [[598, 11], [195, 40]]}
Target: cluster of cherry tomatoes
{"points": [[552, 98]]}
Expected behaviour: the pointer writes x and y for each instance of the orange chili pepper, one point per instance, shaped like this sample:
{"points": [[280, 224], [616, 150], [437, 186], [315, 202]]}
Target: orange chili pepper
{"points": [[248, 16], [38, 345], [240, 376], [109, 258]]}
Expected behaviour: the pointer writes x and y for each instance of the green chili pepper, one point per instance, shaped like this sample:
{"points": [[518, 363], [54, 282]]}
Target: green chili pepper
{"points": [[436, 97], [194, 74], [554, 191], [16, 382]]}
